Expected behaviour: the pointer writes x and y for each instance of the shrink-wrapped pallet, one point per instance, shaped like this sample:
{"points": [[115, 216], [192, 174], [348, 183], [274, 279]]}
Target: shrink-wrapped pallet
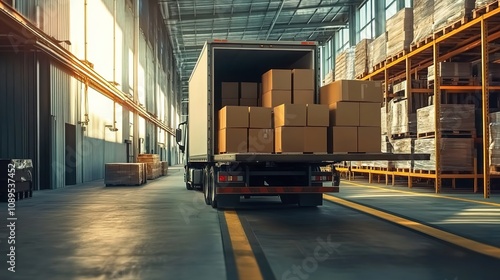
{"points": [[329, 77], [449, 11], [403, 146], [401, 121], [453, 118], [494, 146], [423, 18], [457, 154], [383, 120], [153, 165], [399, 31], [361, 57], [482, 3], [378, 50]]}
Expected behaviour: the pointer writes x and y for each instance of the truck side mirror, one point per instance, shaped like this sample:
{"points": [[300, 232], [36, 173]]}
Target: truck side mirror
{"points": [[178, 135]]}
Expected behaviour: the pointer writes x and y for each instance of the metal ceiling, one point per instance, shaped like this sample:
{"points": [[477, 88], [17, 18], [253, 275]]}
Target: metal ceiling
{"points": [[192, 22]]}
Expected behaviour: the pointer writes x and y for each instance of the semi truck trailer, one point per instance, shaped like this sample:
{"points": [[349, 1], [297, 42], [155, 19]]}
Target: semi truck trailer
{"points": [[225, 178]]}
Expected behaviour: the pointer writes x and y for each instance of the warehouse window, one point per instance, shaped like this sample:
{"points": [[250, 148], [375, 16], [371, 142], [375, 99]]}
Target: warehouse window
{"points": [[366, 21], [391, 8], [342, 40], [327, 58]]}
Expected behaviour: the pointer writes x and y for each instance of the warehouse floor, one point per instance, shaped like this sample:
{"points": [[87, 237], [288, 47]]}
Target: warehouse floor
{"points": [[163, 231]]}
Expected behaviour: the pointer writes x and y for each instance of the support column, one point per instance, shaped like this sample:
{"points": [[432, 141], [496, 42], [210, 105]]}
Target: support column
{"points": [[437, 114], [486, 111], [135, 141]]}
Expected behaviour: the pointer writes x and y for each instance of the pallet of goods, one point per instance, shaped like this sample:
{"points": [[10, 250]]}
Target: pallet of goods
{"points": [[124, 174], [448, 12], [153, 165], [361, 58], [378, 51], [456, 120], [399, 32], [423, 18]]}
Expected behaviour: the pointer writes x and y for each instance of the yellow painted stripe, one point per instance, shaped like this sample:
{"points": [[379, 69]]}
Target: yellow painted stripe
{"points": [[443, 235], [246, 264], [426, 194]]}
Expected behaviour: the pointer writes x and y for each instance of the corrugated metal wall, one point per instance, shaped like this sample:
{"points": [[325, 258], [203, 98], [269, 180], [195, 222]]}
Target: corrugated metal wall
{"points": [[107, 42]]}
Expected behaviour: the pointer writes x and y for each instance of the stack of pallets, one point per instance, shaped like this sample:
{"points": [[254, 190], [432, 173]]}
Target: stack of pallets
{"points": [[125, 174]]}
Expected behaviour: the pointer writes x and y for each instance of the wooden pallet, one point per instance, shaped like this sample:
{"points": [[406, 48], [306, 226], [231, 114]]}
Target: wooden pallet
{"points": [[396, 56], [450, 27], [485, 9], [403, 170], [421, 43], [423, 171], [358, 77], [494, 168], [453, 81], [449, 134], [379, 65], [404, 135]]}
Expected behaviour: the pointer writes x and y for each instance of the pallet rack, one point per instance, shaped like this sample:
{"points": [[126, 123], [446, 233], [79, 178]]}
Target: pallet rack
{"points": [[462, 37]]}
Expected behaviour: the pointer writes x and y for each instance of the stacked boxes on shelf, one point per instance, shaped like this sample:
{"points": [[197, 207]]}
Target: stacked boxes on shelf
{"points": [[449, 11], [362, 58], [451, 73], [402, 122], [378, 50], [153, 165], [423, 18], [354, 115], [457, 126], [124, 174], [399, 31], [482, 3], [344, 65]]}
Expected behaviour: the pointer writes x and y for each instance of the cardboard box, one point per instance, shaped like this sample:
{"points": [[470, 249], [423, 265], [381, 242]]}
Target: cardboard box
{"points": [[248, 102], [290, 115], [248, 90], [277, 79], [344, 113], [351, 90], [369, 139], [230, 90], [273, 98], [301, 96], [303, 79], [233, 117], [317, 115], [315, 140], [230, 102], [261, 140], [233, 140], [342, 139], [289, 139], [260, 117], [369, 114]]}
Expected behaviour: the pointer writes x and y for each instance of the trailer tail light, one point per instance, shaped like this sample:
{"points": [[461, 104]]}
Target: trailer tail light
{"points": [[226, 178], [321, 178]]}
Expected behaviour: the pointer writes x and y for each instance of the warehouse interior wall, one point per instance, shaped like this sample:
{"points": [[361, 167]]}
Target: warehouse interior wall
{"points": [[79, 128]]}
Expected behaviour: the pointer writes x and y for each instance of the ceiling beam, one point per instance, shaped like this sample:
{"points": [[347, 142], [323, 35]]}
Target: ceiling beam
{"points": [[222, 29], [192, 17]]}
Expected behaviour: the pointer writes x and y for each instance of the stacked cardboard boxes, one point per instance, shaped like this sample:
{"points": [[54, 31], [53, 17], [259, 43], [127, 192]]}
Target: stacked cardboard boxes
{"points": [[153, 165], [276, 87], [399, 31], [450, 70], [233, 129], [494, 140], [239, 94], [482, 3], [303, 86], [230, 94], [457, 154], [402, 122], [361, 57], [354, 107], [124, 174], [423, 18], [329, 77], [260, 132], [454, 118]]}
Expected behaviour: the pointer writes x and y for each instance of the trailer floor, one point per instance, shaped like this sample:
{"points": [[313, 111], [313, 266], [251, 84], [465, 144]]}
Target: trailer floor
{"points": [[162, 231]]}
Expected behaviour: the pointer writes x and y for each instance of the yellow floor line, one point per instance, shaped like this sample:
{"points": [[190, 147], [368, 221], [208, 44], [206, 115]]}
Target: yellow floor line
{"points": [[426, 194], [443, 235], [246, 263]]}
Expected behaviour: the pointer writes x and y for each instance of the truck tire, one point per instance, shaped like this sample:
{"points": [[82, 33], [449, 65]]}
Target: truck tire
{"points": [[212, 189], [207, 186]]}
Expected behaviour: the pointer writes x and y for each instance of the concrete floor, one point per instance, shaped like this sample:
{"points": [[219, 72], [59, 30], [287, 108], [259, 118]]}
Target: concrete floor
{"points": [[163, 231]]}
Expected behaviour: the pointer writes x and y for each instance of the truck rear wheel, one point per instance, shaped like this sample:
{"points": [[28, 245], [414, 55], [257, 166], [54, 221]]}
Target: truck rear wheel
{"points": [[212, 189], [207, 185]]}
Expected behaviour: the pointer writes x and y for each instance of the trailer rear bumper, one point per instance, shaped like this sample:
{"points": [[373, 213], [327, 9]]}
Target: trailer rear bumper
{"points": [[275, 190]]}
